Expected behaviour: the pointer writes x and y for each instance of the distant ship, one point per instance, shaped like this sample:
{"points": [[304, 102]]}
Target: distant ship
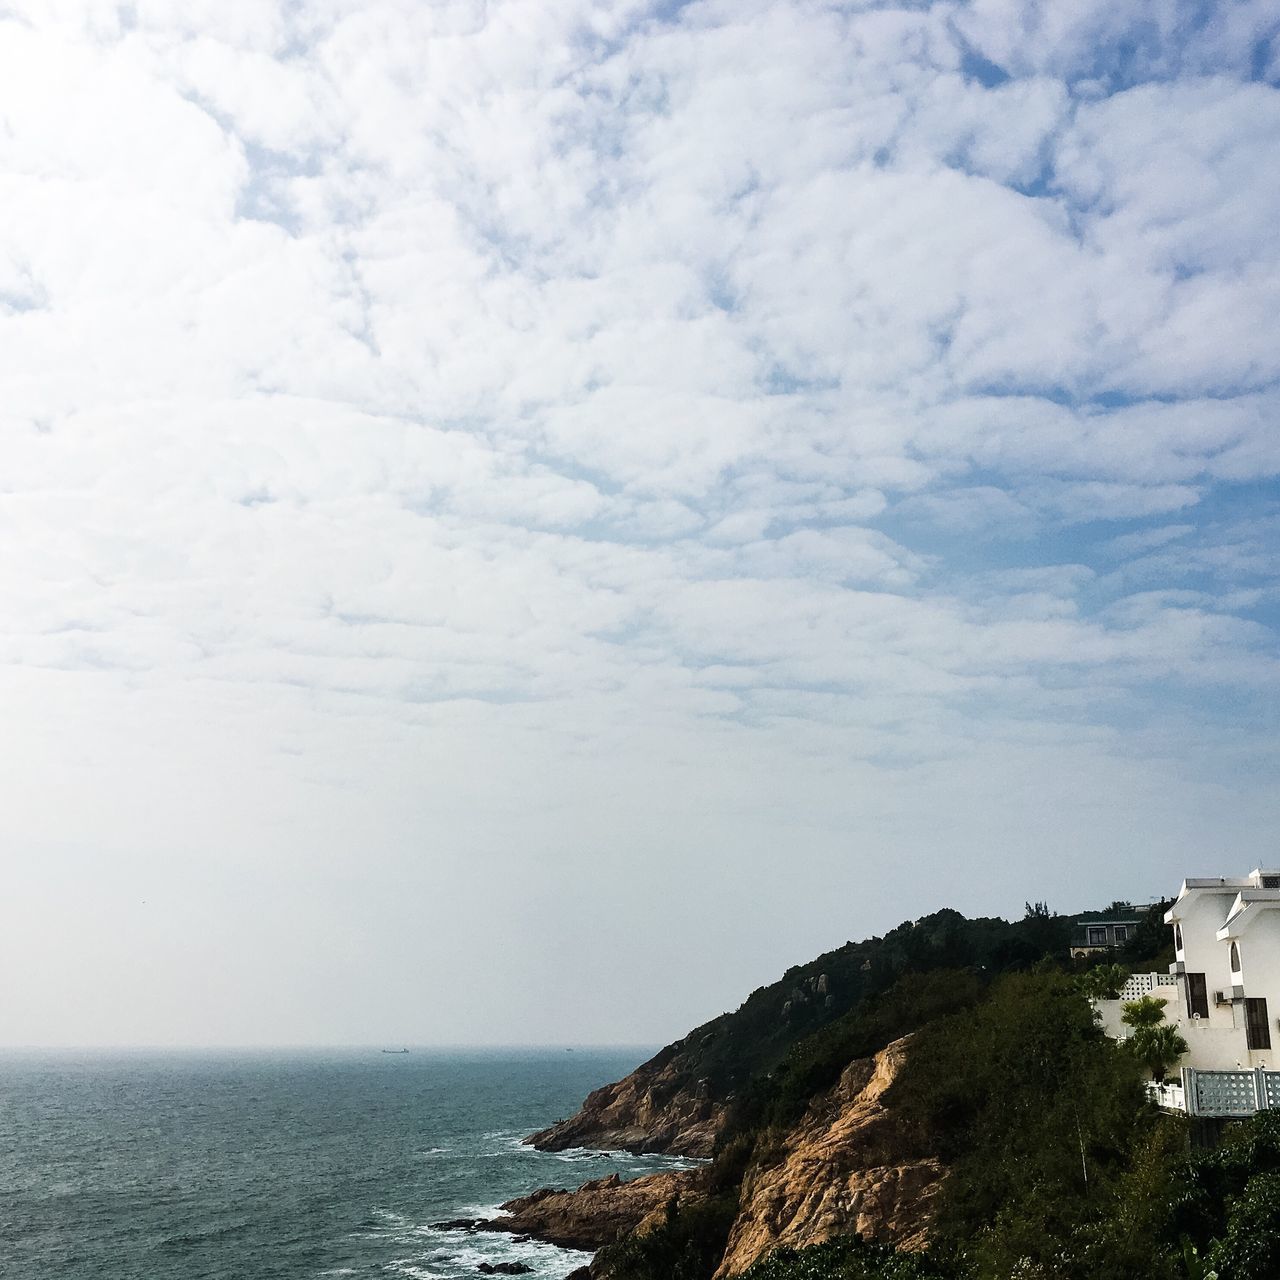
{"points": [[395, 1051]]}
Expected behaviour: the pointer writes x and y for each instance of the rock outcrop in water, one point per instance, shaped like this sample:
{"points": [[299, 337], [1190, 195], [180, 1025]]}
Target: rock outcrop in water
{"points": [[598, 1213], [653, 1110]]}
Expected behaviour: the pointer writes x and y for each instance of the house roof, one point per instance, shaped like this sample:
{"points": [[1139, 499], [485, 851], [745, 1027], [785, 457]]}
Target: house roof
{"points": [[1197, 888], [1248, 906]]}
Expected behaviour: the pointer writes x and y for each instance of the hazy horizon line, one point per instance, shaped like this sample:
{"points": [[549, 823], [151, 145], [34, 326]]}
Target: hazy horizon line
{"points": [[321, 1047]]}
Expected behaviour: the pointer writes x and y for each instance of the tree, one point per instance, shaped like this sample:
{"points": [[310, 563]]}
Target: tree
{"points": [[1145, 1011], [1104, 981], [1157, 1048], [1251, 1248], [1155, 1043], [1150, 944], [1033, 1110]]}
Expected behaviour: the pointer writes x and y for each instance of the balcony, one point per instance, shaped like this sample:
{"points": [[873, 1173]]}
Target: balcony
{"points": [[1219, 1094], [1167, 1096]]}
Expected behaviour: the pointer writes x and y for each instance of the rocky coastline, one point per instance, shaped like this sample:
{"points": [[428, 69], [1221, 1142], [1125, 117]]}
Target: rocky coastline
{"points": [[650, 1112], [840, 1170]]}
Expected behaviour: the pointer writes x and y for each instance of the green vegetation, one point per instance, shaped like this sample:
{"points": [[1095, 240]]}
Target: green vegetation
{"points": [[1059, 1172], [778, 1099], [1226, 1203], [846, 1259], [1035, 1111], [736, 1049], [688, 1245], [1154, 1042], [1103, 981], [1144, 1012], [1150, 945]]}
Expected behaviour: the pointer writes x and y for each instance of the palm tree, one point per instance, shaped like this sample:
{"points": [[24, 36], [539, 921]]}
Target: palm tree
{"points": [[1155, 1043], [1145, 1011]]}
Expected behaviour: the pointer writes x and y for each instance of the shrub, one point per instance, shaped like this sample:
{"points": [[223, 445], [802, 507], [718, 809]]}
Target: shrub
{"points": [[1035, 1112], [1103, 982], [847, 1258], [687, 1245], [1250, 1250]]}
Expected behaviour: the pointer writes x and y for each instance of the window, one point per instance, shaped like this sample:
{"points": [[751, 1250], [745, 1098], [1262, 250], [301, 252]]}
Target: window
{"points": [[1177, 936], [1257, 1033], [1122, 933], [1097, 935], [1235, 958], [1197, 996]]}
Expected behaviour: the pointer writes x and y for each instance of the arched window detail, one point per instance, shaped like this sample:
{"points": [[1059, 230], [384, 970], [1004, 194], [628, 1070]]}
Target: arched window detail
{"points": [[1177, 936], [1235, 958]]}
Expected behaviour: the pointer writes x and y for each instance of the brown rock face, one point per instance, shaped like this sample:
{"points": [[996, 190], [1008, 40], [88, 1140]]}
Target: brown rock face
{"points": [[597, 1213], [838, 1175], [650, 1111]]}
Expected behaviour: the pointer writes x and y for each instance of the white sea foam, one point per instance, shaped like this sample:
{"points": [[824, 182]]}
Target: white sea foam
{"points": [[456, 1253], [626, 1161]]}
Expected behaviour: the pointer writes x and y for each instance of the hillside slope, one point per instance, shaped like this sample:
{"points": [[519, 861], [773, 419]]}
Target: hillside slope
{"points": [[679, 1102]]}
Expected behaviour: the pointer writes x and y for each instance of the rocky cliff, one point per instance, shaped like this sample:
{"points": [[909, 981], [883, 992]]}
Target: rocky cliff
{"points": [[843, 1169], [654, 1109], [598, 1213], [840, 1171]]}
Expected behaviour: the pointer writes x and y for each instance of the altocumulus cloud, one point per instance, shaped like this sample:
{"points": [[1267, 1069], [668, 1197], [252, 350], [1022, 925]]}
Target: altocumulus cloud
{"points": [[483, 485]]}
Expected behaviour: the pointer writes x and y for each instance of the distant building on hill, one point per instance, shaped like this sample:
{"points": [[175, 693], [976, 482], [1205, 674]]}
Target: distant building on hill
{"points": [[1222, 990], [1090, 937]]}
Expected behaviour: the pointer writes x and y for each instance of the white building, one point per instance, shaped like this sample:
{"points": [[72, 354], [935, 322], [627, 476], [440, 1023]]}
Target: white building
{"points": [[1223, 989]]}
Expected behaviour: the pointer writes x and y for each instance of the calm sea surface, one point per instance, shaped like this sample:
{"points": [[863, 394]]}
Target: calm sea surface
{"points": [[267, 1166]]}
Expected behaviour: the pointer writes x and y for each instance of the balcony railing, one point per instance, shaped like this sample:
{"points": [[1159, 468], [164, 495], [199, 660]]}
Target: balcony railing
{"points": [[1168, 1097], [1219, 1094]]}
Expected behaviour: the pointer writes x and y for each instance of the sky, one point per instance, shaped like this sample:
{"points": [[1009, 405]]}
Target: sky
{"points": [[520, 520]]}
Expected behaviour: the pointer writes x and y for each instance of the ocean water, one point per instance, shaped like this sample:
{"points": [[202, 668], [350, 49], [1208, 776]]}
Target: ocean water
{"points": [[283, 1165]]}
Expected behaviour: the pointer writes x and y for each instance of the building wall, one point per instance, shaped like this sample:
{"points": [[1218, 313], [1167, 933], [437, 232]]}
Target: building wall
{"points": [[1260, 976], [1214, 1044], [1214, 1048], [1201, 916]]}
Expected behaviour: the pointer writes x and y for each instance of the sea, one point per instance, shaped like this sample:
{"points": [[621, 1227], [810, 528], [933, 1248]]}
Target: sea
{"points": [[285, 1165]]}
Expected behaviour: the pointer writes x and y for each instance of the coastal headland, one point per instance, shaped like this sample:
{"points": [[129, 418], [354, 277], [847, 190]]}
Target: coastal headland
{"points": [[941, 1103]]}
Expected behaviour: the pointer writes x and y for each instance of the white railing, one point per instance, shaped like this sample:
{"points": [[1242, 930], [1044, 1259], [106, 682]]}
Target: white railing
{"points": [[1219, 1094], [1167, 1096], [1137, 985]]}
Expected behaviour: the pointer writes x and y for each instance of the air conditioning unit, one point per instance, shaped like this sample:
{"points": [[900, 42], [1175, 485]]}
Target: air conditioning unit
{"points": [[1222, 997]]}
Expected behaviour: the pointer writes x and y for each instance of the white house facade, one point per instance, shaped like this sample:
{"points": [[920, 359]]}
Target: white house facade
{"points": [[1223, 989]]}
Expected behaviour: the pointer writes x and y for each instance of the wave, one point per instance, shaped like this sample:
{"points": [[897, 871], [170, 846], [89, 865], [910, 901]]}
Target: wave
{"points": [[452, 1253]]}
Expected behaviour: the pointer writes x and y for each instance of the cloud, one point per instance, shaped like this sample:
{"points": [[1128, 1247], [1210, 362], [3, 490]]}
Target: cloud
{"points": [[432, 434]]}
